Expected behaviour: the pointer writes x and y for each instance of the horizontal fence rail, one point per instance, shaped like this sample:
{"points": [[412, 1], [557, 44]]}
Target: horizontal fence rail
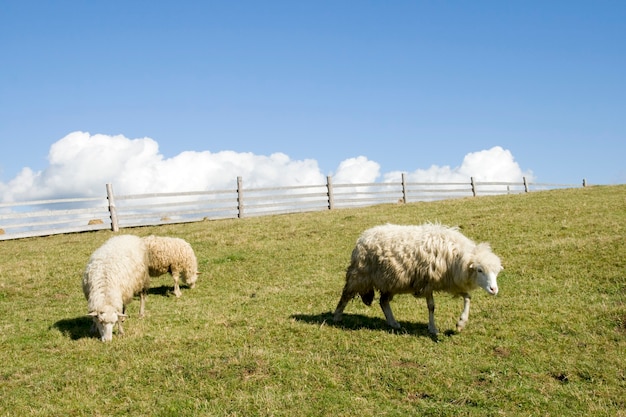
{"points": [[70, 215]]}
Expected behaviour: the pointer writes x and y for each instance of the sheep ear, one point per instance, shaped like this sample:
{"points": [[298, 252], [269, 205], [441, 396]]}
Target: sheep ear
{"points": [[121, 315], [92, 313], [472, 265]]}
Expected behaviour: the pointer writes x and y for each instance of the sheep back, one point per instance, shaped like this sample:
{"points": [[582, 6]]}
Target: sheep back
{"points": [[116, 271], [173, 255], [416, 259]]}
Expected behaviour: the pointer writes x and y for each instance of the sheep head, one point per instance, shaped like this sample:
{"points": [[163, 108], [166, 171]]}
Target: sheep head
{"points": [[485, 266], [190, 277], [105, 320]]}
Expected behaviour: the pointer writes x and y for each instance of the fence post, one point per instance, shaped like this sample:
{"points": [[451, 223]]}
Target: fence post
{"points": [[329, 188], [112, 209], [404, 198], [473, 186], [525, 185], [239, 197], [584, 182]]}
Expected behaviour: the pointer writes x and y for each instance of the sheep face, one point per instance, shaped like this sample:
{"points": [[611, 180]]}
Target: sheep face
{"points": [[190, 278], [486, 279], [485, 267], [105, 320]]}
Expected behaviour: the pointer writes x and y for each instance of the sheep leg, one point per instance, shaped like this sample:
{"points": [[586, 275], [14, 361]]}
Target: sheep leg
{"points": [[346, 296], [142, 302], [430, 302], [385, 298], [176, 276], [120, 329], [465, 314], [94, 328]]}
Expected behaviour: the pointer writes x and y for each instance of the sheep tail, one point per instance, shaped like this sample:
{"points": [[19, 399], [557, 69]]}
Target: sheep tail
{"points": [[367, 297]]}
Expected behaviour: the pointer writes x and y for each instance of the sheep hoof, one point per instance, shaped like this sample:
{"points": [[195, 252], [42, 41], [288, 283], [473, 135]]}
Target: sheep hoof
{"points": [[337, 318]]}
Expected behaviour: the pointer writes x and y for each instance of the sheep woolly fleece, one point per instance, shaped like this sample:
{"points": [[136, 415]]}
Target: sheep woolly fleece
{"points": [[173, 255], [418, 260], [116, 271]]}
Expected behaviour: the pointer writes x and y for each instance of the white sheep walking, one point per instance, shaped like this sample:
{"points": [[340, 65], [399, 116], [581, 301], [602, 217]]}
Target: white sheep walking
{"points": [[418, 260], [173, 255], [116, 271]]}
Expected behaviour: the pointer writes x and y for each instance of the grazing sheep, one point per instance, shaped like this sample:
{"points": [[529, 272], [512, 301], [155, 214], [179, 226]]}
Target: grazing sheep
{"points": [[418, 260], [173, 255], [116, 271]]}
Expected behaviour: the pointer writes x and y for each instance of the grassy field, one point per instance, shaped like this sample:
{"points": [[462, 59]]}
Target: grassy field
{"points": [[256, 337]]}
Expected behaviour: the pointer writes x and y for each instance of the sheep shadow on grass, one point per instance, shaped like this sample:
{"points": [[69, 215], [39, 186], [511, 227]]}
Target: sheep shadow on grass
{"points": [[359, 321], [165, 290], [76, 328]]}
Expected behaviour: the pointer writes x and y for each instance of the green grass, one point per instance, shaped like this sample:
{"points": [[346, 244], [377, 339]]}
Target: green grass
{"points": [[256, 338]]}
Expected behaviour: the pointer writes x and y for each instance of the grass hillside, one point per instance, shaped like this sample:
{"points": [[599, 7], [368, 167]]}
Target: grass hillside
{"points": [[256, 337]]}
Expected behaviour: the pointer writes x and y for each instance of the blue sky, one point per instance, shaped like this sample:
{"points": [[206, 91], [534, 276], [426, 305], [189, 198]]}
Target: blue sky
{"points": [[407, 85]]}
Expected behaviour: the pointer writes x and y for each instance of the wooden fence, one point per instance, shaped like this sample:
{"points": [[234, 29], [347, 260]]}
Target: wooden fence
{"points": [[111, 211]]}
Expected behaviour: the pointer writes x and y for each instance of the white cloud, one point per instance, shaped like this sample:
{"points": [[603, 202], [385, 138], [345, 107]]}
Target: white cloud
{"points": [[495, 164], [356, 170], [81, 164]]}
